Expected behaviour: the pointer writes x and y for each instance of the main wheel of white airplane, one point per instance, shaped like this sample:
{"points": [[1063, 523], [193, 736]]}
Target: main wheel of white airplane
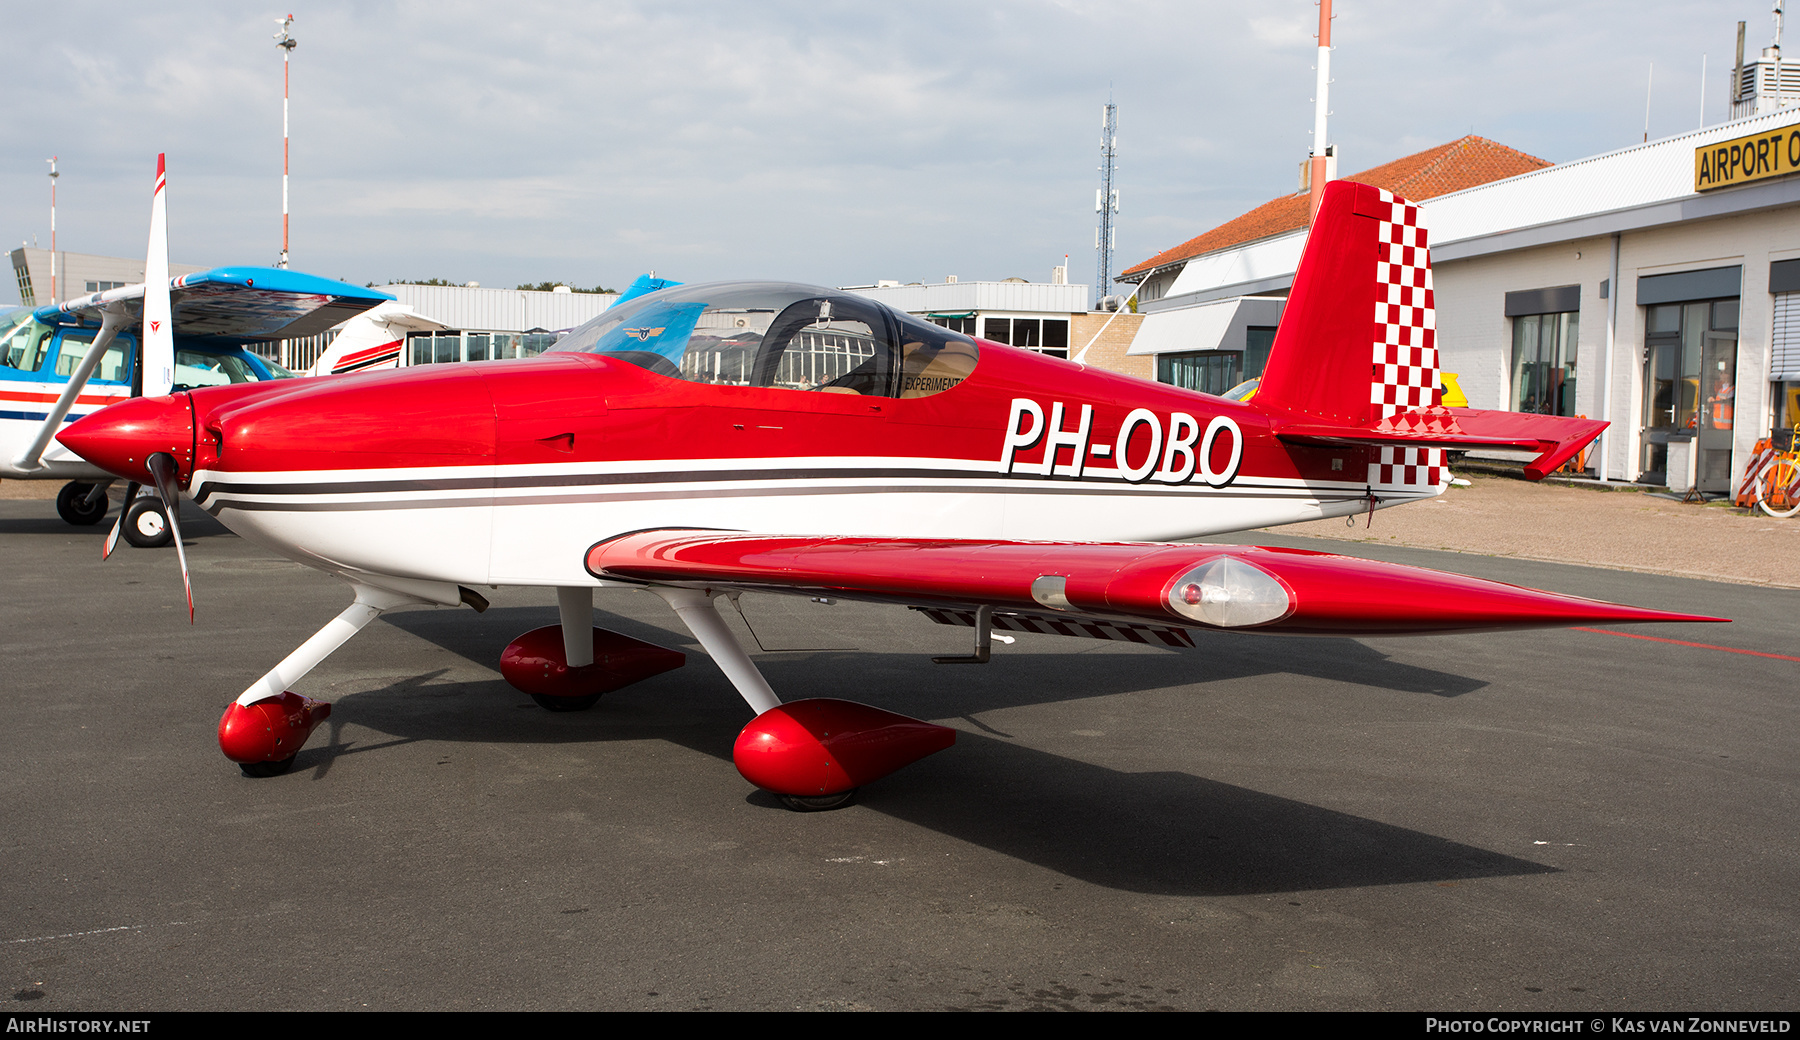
{"points": [[549, 703], [72, 505], [146, 526], [260, 770], [818, 802]]}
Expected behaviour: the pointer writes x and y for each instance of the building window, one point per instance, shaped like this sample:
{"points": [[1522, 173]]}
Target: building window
{"points": [[103, 286], [427, 349], [963, 323], [1208, 371], [1257, 341], [1044, 335], [1543, 363]]}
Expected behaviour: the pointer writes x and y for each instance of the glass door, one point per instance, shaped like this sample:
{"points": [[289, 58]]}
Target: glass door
{"points": [[1690, 375]]}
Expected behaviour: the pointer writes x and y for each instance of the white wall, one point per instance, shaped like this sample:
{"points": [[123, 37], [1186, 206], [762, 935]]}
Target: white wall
{"points": [[1475, 336]]}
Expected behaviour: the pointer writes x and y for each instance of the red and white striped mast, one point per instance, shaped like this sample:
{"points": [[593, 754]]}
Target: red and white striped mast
{"points": [[287, 44], [1316, 174], [52, 162]]}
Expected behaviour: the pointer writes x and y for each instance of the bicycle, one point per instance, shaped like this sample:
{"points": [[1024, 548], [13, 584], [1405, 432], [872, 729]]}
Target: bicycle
{"points": [[1777, 488]]}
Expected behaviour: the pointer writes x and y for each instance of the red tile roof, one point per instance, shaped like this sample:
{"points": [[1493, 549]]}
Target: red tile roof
{"points": [[1462, 163]]}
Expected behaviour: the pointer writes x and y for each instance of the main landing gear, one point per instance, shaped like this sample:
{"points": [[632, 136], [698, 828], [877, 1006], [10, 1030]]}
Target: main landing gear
{"points": [[813, 754], [563, 672], [83, 505]]}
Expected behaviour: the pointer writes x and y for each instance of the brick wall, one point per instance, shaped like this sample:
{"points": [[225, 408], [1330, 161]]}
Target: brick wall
{"points": [[1108, 352]]}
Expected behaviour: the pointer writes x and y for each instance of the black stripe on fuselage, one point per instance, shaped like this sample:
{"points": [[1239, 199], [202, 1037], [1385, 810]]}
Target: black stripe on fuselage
{"points": [[223, 501]]}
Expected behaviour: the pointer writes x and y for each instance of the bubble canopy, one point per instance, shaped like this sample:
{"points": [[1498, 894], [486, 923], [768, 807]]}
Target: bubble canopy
{"points": [[779, 335]]}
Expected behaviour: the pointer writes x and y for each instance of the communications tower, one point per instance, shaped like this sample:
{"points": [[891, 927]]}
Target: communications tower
{"points": [[1106, 201]]}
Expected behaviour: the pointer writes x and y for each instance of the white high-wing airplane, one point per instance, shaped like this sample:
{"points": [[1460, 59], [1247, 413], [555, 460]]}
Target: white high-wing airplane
{"points": [[61, 362]]}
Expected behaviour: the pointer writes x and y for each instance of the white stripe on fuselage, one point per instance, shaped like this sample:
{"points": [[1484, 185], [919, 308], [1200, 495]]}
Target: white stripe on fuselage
{"points": [[531, 525]]}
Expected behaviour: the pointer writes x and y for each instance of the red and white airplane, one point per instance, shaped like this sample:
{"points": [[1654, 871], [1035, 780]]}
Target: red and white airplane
{"points": [[710, 439]]}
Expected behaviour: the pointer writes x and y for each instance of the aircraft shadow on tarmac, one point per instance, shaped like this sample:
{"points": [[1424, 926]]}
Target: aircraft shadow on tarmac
{"points": [[1154, 832], [195, 523], [1050, 673]]}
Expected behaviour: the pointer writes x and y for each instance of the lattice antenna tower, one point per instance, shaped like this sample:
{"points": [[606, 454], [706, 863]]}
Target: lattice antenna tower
{"points": [[1106, 201]]}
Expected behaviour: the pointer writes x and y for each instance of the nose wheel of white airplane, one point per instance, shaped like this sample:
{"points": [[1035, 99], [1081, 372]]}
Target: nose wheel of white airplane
{"points": [[82, 505], [146, 525]]}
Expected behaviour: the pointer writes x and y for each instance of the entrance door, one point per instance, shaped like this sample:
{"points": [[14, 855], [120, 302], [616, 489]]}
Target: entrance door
{"points": [[1690, 388]]}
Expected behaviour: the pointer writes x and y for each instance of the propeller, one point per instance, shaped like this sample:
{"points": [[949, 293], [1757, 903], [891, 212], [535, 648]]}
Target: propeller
{"points": [[112, 537], [163, 470], [156, 376]]}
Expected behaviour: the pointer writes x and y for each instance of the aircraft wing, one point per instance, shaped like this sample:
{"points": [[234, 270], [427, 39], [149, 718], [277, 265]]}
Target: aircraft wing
{"points": [[1186, 585], [235, 305]]}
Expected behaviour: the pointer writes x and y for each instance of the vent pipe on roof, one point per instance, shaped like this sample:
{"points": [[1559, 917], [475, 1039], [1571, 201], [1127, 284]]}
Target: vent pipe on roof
{"points": [[1318, 174]]}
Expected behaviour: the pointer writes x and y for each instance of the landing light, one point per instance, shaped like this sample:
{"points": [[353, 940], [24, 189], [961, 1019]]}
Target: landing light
{"points": [[1229, 593]]}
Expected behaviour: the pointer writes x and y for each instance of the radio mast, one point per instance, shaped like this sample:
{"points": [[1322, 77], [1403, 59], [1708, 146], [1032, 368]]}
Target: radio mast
{"points": [[1106, 201], [287, 44], [53, 176]]}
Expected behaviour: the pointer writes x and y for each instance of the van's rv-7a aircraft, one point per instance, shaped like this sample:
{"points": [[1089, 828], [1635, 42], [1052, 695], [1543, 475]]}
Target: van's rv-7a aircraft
{"points": [[62, 361], [706, 440]]}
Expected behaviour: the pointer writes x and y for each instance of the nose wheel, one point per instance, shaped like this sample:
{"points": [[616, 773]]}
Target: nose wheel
{"points": [[146, 525]]}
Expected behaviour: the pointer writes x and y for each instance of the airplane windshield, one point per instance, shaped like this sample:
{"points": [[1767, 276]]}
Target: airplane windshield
{"points": [[195, 369], [781, 335], [23, 341]]}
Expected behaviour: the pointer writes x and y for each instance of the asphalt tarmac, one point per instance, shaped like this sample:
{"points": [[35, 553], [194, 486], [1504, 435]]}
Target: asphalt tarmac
{"points": [[1527, 821]]}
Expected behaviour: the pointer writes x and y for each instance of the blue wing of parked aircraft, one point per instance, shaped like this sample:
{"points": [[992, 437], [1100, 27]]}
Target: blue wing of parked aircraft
{"points": [[235, 305]]}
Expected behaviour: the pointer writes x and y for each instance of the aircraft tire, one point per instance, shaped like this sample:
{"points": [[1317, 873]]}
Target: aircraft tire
{"points": [[565, 704], [146, 526], [263, 770], [71, 505], [818, 803]]}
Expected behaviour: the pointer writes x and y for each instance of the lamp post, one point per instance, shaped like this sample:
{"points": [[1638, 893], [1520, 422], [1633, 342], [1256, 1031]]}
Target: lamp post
{"points": [[287, 44]]}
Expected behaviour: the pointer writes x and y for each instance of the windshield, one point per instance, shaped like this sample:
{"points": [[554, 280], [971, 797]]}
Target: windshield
{"points": [[23, 341], [781, 335], [194, 369]]}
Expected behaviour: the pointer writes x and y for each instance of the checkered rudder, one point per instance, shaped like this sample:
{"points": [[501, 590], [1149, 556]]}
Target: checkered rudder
{"points": [[1405, 339]]}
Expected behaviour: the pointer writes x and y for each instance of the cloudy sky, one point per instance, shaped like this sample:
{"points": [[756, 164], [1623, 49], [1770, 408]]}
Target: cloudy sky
{"points": [[826, 142]]}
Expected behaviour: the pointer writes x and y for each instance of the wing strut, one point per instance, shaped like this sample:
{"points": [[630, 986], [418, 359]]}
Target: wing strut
{"points": [[112, 318]]}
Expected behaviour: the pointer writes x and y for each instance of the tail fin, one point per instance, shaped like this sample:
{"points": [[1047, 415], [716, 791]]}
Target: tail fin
{"points": [[1358, 340], [1355, 360], [645, 283], [158, 341]]}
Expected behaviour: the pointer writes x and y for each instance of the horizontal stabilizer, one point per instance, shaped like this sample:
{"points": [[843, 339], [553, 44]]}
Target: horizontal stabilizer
{"points": [[1556, 439], [1192, 586]]}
